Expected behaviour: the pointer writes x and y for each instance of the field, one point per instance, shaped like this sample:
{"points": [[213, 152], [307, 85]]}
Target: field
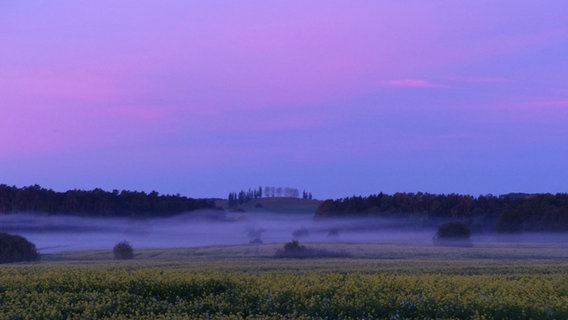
{"points": [[380, 281]]}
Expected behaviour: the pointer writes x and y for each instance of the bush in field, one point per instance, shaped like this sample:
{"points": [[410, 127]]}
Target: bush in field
{"points": [[123, 251], [14, 248], [294, 249], [294, 246]]}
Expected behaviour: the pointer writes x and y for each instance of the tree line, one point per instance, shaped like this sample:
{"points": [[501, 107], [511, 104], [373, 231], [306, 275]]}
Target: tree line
{"points": [[514, 212], [97, 202], [238, 198]]}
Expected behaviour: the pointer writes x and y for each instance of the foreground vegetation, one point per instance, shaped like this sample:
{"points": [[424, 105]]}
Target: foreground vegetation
{"points": [[151, 293], [408, 282]]}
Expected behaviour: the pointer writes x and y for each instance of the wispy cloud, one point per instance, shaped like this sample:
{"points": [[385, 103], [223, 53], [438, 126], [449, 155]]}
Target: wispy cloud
{"points": [[412, 83]]}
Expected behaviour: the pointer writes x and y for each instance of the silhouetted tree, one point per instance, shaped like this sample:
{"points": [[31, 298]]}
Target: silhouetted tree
{"points": [[294, 246], [294, 249], [123, 251]]}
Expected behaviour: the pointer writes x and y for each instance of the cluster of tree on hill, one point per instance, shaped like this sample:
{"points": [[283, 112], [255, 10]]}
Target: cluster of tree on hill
{"points": [[506, 213], [286, 192], [242, 196], [96, 202], [238, 198]]}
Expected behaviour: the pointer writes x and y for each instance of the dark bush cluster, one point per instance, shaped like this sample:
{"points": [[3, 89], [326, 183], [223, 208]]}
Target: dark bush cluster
{"points": [[294, 246], [14, 248], [295, 250], [123, 251]]}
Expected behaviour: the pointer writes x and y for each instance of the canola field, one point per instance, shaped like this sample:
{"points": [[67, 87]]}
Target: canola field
{"points": [[186, 285]]}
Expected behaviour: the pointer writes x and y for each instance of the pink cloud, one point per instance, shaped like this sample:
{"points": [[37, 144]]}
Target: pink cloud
{"points": [[412, 83]]}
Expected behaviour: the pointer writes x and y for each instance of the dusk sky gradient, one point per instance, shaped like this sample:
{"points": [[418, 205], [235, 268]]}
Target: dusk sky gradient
{"points": [[339, 98]]}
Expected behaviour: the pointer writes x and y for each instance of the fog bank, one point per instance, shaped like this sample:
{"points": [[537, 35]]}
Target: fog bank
{"points": [[70, 233]]}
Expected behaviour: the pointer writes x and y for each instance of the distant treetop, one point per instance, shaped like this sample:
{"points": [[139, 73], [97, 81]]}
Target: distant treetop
{"points": [[237, 198]]}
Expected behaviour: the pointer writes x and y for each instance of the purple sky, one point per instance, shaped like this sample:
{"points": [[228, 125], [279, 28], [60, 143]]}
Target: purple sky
{"points": [[338, 97]]}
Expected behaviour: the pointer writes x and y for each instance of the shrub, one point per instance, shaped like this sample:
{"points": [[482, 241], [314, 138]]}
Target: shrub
{"points": [[294, 246], [294, 249], [14, 248], [123, 251]]}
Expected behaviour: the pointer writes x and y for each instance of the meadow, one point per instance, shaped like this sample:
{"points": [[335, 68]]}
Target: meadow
{"points": [[379, 281]]}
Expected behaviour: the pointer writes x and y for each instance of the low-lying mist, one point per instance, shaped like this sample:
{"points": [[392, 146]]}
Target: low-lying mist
{"points": [[71, 233]]}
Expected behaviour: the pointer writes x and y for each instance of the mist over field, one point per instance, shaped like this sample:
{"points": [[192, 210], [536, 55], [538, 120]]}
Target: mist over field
{"points": [[71, 233]]}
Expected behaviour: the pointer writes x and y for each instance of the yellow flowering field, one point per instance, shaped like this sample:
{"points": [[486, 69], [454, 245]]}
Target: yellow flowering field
{"points": [[233, 288]]}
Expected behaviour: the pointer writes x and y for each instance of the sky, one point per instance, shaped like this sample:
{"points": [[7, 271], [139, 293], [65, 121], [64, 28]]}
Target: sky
{"points": [[339, 98]]}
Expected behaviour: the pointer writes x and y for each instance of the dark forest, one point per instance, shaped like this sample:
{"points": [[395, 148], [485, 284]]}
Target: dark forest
{"points": [[514, 212], [97, 202]]}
